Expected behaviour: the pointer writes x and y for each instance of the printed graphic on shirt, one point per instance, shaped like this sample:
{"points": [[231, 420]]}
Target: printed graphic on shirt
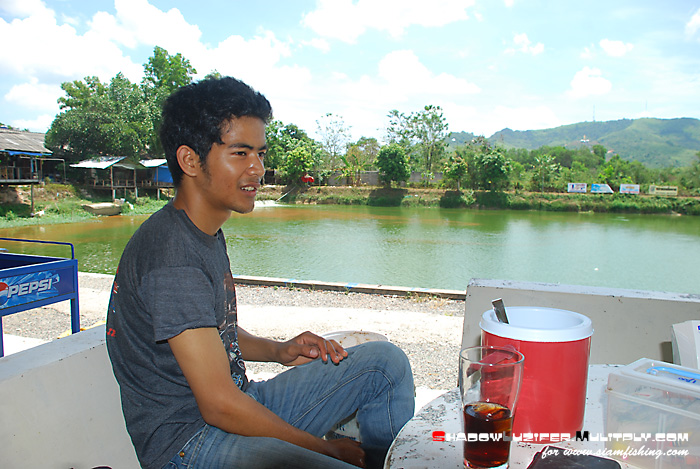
{"points": [[111, 332], [229, 334]]}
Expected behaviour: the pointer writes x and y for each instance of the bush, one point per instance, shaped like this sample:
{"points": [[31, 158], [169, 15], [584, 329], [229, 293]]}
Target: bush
{"points": [[456, 199]]}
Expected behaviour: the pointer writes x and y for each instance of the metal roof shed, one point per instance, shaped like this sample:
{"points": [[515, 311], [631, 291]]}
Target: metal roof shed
{"points": [[110, 162], [162, 175]]}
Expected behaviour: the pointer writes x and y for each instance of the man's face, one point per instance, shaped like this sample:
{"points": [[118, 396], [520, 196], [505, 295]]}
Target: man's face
{"points": [[234, 169]]}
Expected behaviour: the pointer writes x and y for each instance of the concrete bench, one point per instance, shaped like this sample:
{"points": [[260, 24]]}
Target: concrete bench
{"points": [[60, 406]]}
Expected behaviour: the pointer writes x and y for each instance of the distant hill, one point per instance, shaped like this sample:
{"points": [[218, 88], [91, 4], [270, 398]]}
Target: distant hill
{"points": [[654, 142]]}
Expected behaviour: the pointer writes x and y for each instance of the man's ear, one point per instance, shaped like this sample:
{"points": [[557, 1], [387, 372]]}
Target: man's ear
{"points": [[188, 160]]}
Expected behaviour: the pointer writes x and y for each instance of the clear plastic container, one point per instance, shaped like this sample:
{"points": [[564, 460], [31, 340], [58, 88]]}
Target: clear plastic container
{"points": [[653, 418]]}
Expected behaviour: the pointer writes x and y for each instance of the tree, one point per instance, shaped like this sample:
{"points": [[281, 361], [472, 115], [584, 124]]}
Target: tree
{"points": [[399, 130], [82, 94], [298, 162], [99, 119], [334, 138], [493, 169], [120, 119], [359, 157], [599, 151], [545, 167], [430, 129], [615, 172], [455, 169], [281, 140], [163, 74], [392, 164], [166, 73], [488, 166], [422, 135], [691, 175]]}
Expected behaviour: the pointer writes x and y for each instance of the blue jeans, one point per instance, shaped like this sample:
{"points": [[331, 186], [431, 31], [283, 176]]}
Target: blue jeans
{"points": [[375, 380]]}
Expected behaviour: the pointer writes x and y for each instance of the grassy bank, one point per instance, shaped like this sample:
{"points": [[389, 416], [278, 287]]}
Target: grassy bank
{"points": [[55, 203], [560, 202], [60, 203]]}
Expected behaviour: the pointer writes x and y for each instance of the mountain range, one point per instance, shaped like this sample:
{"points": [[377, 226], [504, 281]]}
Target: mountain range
{"points": [[654, 142]]}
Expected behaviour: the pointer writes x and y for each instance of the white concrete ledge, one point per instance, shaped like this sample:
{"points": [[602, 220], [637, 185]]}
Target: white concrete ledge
{"points": [[628, 324], [60, 406], [349, 287]]}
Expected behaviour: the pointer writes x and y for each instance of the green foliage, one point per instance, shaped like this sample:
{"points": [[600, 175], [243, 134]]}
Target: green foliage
{"points": [[144, 206], [298, 162], [488, 168], [165, 72], [118, 119], [283, 139], [101, 119], [545, 170], [421, 134], [455, 170], [359, 156], [392, 164], [387, 197], [334, 139], [457, 199], [430, 128], [615, 172]]}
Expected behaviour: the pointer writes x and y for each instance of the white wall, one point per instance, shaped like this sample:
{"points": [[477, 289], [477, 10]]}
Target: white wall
{"points": [[60, 407]]}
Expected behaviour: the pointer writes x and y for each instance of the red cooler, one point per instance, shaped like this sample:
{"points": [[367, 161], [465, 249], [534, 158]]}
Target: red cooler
{"points": [[556, 344]]}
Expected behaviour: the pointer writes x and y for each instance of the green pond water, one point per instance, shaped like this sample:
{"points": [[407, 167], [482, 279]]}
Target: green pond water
{"points": [[420, 247]]}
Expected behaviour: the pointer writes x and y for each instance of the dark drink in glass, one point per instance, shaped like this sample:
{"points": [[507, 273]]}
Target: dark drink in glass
{"points": [[488, 427]]}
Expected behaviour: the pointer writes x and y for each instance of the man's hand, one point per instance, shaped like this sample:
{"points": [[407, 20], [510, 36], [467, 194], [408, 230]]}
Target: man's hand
{"points": [[347, 450], [307, 347]]}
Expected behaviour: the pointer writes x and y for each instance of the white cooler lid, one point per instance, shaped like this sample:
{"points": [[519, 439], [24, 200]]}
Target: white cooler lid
{"points": [[536, 324]]}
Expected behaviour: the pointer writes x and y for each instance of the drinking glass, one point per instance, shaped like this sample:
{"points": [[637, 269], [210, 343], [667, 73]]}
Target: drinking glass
{"points": [[489, 383]]}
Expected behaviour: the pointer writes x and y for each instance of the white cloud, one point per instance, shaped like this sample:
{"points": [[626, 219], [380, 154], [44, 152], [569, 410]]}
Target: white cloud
{"points": [[50, 52], [35, 96], [486, 122], [615, 48], [401, 81], [39, 124], [523, 44], [46, 53], [141, 23], [525, 118], [589, 81], [346, 21], [405, 75], [318, 43], [693, 25]]}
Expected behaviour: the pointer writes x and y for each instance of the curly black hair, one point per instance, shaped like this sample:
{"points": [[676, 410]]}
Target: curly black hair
{"points": [[195, 114]]}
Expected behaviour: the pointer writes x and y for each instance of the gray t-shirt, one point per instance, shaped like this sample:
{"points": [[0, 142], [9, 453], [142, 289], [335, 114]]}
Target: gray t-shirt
{"points": [[171, 277]]}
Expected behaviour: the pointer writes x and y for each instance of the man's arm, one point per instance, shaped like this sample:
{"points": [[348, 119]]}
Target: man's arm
{"points": [[203, 360], [301, 349]]}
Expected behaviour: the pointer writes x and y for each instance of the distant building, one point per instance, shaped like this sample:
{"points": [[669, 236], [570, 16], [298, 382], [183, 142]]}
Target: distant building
{"points": [[21, 156]]}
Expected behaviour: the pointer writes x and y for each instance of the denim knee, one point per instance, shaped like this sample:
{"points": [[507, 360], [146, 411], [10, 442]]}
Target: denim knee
{"points": [[387, 357]]}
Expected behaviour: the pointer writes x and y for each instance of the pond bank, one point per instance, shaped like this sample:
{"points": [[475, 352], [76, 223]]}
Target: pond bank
{"points": [[55, 203], [469, 199]]}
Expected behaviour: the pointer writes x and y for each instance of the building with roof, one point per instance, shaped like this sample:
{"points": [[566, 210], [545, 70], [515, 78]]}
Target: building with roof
{"points": [[123, 174], [21, 156]]}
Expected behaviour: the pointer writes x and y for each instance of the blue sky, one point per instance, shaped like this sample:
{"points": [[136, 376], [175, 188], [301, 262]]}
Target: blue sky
{"points": [[489, 64]]}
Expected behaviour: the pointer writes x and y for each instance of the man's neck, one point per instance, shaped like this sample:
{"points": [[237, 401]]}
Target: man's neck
{"points": [[206, 221]]}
